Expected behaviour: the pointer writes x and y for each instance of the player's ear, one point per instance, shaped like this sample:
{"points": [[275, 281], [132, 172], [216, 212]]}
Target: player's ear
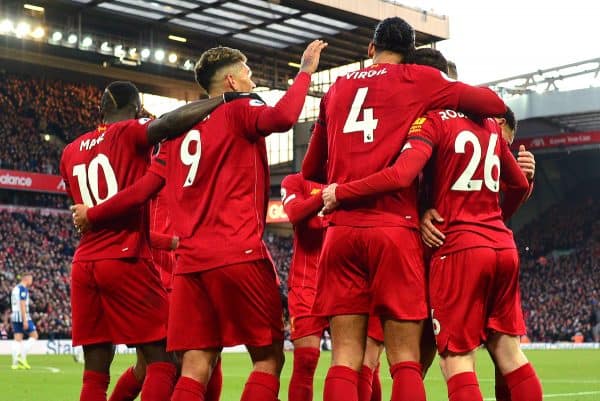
{"points": [[231, 82], [371, 50]]}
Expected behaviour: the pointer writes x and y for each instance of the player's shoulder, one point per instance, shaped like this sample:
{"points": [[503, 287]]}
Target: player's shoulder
{"points": [[292, 180]]}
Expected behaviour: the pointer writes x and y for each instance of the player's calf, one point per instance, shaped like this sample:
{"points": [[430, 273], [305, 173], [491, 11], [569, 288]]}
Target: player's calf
{"points": [[519, 375], [459, 372], [402, 339], [263, 383]]}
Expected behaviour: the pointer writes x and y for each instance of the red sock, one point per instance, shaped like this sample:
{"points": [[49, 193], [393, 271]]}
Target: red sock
{"points": [[365, 384], [502, 390], [261, 387], [524, 384], [341, 384], [464, 387], [376, 396], [188, 389], [215, 384], [408, 382], [159, 382], [128, 387], [301, 383], [94, 386]]}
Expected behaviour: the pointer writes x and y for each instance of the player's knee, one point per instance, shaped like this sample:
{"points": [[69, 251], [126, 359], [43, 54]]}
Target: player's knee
{"points": [[34, 335], [453, 363], [506, 351]]}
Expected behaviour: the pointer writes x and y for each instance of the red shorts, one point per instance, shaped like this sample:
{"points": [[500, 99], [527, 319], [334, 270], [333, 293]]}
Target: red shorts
{"points": [[474, 291], [120, 301], [303, 322], [227, 306], [371, 270], [375, 329]]}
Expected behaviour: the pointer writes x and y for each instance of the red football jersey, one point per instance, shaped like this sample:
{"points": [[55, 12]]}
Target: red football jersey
{"points": [[302, 201], [217, 184], [160, 222], [365, 117], [468, 162], [95, 167]]}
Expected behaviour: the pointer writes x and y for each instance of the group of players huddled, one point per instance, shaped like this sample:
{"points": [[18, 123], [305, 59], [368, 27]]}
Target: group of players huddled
{"points": [[196, 181]]}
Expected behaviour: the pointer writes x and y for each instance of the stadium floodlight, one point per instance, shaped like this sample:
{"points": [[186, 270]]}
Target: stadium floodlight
{"points": [[86, 42], [33, 8], [6, 26], [47, 138], [188, 65], [38, 33], [119, 51], [105, 47], [145, 53], [295, 65], [172, 58], [72, 39], [159, 55], [178, 38], [23, 29], [57, 36]]}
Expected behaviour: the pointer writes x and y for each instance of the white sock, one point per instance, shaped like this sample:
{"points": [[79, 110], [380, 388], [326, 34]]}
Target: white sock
{"points": [[15, 347], [27, 346]]}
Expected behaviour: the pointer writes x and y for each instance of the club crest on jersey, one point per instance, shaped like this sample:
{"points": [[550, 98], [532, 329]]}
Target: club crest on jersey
{"points": [[315, 191]]}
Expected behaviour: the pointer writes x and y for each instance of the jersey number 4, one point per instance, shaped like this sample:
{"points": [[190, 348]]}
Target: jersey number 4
{"points": [[368, 124], [466, 182], [87, 178]]}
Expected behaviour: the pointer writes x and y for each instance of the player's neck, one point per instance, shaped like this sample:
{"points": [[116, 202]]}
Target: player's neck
{"points": [[115, 118], [386, 57]]}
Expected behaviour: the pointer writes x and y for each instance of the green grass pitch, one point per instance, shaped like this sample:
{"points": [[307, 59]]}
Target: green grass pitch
{"points": [[566, 375]]}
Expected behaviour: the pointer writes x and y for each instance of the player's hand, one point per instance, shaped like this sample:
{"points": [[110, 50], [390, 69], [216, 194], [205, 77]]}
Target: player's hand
{"points": [[230, 96], [174, 243], [80, 219], [25, 325], [431, 236], [329, 200], [311, 56], [526, 161]]}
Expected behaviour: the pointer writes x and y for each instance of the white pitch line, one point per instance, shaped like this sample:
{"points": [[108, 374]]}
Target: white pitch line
{"points": [[559, 395], [50, 368]]}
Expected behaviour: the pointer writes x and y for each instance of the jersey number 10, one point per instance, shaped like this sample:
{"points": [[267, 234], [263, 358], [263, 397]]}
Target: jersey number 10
{"points": [[90, 176]]}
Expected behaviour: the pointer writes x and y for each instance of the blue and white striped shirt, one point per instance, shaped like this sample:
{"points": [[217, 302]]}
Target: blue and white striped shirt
{"points": [[19, 293]]}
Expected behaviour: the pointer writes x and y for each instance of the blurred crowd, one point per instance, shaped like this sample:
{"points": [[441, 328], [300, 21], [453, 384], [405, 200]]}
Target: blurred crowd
{"points": [[560, 288], [560, 249], [30, 108], [42, 242]]}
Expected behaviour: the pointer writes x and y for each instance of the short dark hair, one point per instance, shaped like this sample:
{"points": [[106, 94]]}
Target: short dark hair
{"points": [[395, 35], [510, 118], [430, 57], [120, 94], [212, 61]]}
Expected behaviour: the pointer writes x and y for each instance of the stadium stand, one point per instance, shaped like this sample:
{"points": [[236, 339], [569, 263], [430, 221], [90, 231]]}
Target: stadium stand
{"points": [[42, 241], [31, 107], [560, 248]]}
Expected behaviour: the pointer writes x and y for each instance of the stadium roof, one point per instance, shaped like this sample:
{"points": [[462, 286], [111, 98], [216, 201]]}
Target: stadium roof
{"points": [[272, 33]]}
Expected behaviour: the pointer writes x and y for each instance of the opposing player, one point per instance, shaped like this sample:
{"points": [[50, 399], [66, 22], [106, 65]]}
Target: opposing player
{"points": [[224, 289], [22, 323], [301, 202], [474, 276], [116, 294], [362, 126]]}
